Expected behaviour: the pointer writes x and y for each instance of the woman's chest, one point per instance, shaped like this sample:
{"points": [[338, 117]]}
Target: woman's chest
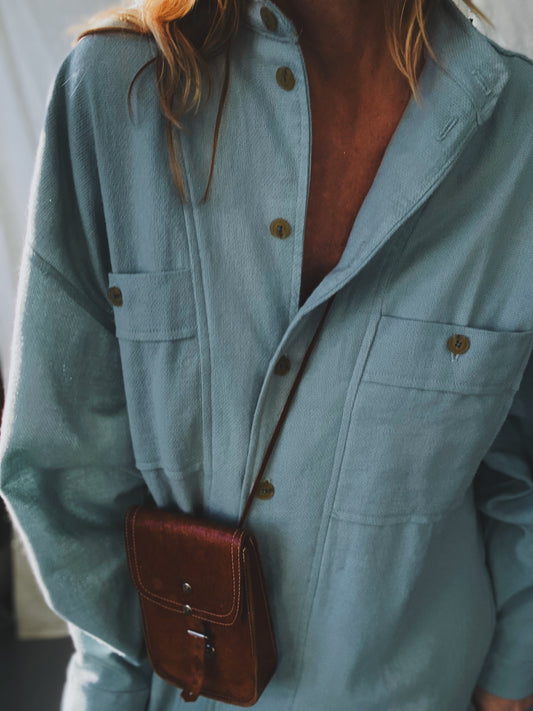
{"points": [[349, 137]]}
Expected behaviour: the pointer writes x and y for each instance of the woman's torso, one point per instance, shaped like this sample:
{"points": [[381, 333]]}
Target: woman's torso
{"points": [[372, 553]]}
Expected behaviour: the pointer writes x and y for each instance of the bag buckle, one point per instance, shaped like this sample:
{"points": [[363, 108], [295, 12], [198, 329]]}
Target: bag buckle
{"points": [[209, 646]]}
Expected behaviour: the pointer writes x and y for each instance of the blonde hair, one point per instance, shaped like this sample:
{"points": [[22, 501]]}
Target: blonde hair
{"points": [[407, 37], [188, 33]]}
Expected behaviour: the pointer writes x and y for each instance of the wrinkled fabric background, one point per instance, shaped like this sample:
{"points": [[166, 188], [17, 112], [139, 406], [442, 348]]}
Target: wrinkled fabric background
{"points": [[33, 41]]}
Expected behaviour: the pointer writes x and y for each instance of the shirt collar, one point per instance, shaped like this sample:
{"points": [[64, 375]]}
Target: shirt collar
{"points": [[467, 57], [457, 93], [462, 52]]}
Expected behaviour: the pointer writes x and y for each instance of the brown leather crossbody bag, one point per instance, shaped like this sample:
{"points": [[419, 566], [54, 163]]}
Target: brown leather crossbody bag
{"points": [[206, 617]]}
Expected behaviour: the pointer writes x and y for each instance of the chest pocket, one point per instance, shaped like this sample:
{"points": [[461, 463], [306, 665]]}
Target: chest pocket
{"points": [[155, 321], [432, 398]]}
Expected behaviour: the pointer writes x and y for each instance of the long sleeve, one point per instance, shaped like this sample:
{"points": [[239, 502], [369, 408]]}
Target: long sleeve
{"points": [[504, 491], [67, 467]]}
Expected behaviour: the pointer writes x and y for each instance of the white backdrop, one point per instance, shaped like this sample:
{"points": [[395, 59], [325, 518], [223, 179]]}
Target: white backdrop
{"points": [[33, 41], [513, 23]]}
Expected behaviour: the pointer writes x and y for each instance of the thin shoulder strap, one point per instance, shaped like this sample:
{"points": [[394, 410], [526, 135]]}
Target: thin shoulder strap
{"points": [[284, 412]]}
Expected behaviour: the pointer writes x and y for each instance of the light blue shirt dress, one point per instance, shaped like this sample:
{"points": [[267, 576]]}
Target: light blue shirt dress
{"points": [[398, 545]]}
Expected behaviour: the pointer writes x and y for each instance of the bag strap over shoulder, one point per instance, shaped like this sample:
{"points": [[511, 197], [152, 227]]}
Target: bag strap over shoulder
{"points": [[284, 412]]}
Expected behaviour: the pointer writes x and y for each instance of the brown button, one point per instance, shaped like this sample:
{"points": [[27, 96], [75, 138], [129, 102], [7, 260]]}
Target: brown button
{"points": [[115, 296], [283, 366], [280, 228], [458, 344], [285, 78], [265, 490], [270, 21]]}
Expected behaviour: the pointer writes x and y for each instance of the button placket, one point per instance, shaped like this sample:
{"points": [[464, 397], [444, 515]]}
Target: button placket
{"points": [[277, 385], [275, 389]]}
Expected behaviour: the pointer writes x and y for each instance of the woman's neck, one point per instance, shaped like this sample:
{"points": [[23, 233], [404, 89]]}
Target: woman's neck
{"points": [[340, 36]]}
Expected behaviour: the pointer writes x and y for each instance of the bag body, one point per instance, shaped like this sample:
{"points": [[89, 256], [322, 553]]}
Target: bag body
{"points": [[206, 617]]}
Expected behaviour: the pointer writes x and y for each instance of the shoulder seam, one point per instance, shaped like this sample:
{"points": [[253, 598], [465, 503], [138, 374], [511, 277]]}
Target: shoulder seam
{"points": [[509, 52]]}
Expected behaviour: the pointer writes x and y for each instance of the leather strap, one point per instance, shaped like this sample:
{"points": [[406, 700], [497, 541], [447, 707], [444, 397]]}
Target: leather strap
{"points": [[284, 412]]}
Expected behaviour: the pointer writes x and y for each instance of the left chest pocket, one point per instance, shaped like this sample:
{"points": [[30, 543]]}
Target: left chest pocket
{"points": [[155, 320], [153, 306], [431, 400]]}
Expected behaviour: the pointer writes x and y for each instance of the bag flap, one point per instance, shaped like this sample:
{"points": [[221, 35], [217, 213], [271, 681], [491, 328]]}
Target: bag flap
{"points": [[185, 564]]}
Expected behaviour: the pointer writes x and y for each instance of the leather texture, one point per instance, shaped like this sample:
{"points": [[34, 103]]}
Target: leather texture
{"points": [[206, 618]]}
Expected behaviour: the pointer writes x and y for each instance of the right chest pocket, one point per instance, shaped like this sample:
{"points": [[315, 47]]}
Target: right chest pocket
{"points": [[155, 320], [431, 400]]}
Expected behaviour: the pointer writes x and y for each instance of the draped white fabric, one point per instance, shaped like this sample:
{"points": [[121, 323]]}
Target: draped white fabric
{"points": [[513, 23], [33, 41]]}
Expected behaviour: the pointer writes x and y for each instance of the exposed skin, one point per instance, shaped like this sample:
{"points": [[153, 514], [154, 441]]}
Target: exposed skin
{"points": [[358, 97], [483, 701]]}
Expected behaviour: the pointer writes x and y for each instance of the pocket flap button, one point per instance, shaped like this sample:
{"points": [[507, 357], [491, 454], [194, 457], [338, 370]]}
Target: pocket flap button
{"points": [[458, 344], [115, 296]]}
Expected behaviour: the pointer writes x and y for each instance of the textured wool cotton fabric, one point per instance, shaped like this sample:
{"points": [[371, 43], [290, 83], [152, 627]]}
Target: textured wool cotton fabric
{"points": [[397, 546]]}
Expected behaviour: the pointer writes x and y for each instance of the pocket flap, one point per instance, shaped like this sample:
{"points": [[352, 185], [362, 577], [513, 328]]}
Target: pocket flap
{"points": [[185, 564], [415, 354], [153, 306]]}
